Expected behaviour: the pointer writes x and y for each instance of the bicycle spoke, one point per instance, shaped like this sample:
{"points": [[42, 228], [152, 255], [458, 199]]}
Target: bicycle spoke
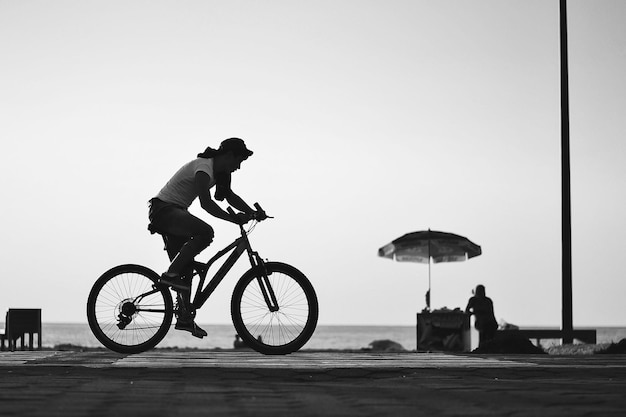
{"points": [[285, 329], [125, 311]]}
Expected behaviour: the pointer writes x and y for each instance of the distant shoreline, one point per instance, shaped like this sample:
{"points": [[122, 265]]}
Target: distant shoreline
{"points": [[327, 338], [521, 326]]}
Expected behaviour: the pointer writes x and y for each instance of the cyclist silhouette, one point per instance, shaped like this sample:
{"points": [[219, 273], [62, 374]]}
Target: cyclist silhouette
{"points": [[185, 234]]}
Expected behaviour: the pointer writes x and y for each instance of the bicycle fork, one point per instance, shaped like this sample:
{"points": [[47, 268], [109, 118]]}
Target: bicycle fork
{"points": [[264, 283]]}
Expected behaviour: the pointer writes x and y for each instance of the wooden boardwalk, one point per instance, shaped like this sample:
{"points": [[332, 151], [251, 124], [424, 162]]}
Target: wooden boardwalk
{"points": [[302, 360], [235, 383]]}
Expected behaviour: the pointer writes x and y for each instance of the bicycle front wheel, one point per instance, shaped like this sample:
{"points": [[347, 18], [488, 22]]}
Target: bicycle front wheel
{"points": [[127, 312], [277, 313]]}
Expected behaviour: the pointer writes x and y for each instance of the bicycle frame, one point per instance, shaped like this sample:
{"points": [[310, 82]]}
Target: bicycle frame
{"points": [[237, 248]]}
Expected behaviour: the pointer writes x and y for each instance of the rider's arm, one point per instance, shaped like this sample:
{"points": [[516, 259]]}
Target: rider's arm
{"points": [[238, 203], [202, 183]]}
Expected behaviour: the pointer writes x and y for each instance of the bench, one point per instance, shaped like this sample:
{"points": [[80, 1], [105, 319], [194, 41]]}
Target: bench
{"points": [[19, 323], [584, 335]]}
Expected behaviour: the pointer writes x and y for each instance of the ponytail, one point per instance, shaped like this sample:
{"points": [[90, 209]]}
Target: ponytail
{"points": [[222, 179], [222, 185], [209, 153]]}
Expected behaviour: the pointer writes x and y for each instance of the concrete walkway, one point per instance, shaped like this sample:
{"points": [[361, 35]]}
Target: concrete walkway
{"points": [[233, 383]]}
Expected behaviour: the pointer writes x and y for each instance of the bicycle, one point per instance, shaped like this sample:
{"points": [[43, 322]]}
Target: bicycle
{"points": [[274, 306]]}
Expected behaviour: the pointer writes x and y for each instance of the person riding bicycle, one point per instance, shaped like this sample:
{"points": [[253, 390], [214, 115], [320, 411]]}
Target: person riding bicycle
{"points": [[186, 235]]}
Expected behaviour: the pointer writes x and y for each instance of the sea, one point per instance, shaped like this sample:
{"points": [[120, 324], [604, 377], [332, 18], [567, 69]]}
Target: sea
{"points": [[326, 337]]}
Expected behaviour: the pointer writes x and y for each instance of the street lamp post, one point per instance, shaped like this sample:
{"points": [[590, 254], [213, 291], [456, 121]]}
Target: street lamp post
{"points": [[566, 216]]}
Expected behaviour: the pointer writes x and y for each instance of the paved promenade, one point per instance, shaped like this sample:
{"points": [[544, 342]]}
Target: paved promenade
{"points": [[235, 383]]}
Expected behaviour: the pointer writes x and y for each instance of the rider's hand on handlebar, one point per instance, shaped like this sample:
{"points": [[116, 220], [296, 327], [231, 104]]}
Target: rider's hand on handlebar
{"points": [[260, 214], [243, 218]]}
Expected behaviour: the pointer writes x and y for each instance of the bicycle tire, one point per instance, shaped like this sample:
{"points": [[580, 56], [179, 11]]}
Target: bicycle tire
{"points": [[113, 303], [283, 331]]}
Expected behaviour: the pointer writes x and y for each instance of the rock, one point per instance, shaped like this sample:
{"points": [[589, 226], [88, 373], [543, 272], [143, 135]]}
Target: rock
{"points": [[386, 346]]}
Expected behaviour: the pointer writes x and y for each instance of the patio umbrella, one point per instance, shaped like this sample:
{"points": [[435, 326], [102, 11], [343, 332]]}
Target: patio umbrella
{"points": [[424, 246]]}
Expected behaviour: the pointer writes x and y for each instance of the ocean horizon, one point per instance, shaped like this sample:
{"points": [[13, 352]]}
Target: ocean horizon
{"points": [[331, 337]]}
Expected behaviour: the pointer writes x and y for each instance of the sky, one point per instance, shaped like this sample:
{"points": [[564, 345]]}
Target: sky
{"points": [[368, 120]]}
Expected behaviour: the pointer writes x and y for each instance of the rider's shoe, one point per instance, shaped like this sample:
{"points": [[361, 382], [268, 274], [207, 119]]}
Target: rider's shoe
{"points": [[175, 281], [192, 327]]}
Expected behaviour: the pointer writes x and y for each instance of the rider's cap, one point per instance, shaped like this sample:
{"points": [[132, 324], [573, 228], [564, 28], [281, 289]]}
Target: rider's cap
{"points": [[236, 146]]}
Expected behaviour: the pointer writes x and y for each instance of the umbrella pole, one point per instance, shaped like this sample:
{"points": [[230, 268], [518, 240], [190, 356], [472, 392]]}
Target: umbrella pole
{"points": [[428, 284], [429, 293]]}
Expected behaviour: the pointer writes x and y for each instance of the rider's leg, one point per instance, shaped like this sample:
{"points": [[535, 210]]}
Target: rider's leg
{"points": [[194, 246], [182, 226], [187, 236], [174, 244], [181, 252], [185, 316]]}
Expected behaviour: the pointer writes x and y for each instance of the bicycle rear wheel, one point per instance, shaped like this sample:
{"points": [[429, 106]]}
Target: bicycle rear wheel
{"points": [[126, 311], [283, 325]]}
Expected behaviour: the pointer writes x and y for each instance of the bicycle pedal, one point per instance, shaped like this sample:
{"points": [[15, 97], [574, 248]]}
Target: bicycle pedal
{"points": [[192, 328]]}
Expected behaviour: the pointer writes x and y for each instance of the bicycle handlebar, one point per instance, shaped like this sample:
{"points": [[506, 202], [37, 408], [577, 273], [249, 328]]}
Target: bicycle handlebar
{"points": [[259, 215]]}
